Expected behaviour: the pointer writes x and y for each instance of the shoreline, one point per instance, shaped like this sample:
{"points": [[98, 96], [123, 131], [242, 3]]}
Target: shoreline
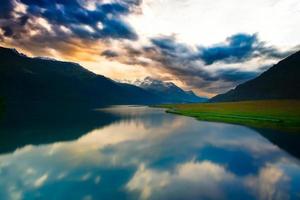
{"points": [[279, 115]]}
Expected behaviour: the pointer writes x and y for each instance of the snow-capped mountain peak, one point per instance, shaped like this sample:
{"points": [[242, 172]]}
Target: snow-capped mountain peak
{"points": [[168, 89]]}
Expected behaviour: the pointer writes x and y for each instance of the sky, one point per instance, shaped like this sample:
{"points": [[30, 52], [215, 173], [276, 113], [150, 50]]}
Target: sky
{"points": [[201, 45]]}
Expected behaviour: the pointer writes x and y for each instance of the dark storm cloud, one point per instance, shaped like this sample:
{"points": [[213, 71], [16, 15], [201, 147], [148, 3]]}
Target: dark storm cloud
{"points": [[234, 75], [73, 15], [109, 54], [165, 43], [66, 19], [185, 61], [238, 48], [6, 8], [7, 31], [191, 65], [169, 46], [23, 20]]}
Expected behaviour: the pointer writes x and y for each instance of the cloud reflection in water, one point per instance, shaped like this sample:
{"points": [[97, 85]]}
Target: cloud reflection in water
{"points": [[149, 154]]}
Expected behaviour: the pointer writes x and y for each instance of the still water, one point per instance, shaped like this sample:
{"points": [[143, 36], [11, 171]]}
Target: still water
{"points": [[128, 152]]}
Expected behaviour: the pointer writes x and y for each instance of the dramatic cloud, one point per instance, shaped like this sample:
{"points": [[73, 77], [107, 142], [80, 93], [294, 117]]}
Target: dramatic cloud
{"points": [[38, 26], [6, 8], [235, 75], [194, 66], [238, 48], [143, 38], [103, 21], [109, 54]]}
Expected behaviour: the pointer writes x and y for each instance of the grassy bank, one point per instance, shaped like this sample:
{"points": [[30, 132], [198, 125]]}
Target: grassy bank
{"points": [[283, 115]]}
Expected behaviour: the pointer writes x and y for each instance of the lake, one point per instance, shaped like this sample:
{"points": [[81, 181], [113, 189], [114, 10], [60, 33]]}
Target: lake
{"points": [[132, 152]]}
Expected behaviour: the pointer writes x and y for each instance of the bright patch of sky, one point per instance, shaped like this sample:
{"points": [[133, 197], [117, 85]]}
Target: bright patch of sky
{"points": [[206, 22]]}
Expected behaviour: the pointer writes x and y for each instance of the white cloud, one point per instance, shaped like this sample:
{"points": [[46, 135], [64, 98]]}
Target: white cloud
{"points": [[206, 22], [271, 183], [201, 178]]}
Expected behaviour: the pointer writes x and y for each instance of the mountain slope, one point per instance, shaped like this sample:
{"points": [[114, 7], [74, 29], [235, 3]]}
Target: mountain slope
{"points": [[168, 91], [282, 81], [27, 81]]}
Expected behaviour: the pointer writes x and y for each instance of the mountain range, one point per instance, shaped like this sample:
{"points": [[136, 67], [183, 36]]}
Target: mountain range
{"points": [[168, 91], [26, 81], [281, 81]]}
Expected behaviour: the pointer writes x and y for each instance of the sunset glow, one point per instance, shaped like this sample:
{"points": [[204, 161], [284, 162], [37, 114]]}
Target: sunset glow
{"points": [[187, 42]]}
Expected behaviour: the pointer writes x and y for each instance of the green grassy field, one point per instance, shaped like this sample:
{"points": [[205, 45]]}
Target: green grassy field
{"points": [[283, 115]]}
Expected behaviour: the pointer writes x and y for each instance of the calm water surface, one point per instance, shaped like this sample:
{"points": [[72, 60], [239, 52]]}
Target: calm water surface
{"points": [[127, 152]]}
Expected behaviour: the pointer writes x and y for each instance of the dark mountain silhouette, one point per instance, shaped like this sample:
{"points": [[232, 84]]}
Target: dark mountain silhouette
{"points": [[282, 81], [39, 82], [45, 126], [169, 91], [25, 80]]}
